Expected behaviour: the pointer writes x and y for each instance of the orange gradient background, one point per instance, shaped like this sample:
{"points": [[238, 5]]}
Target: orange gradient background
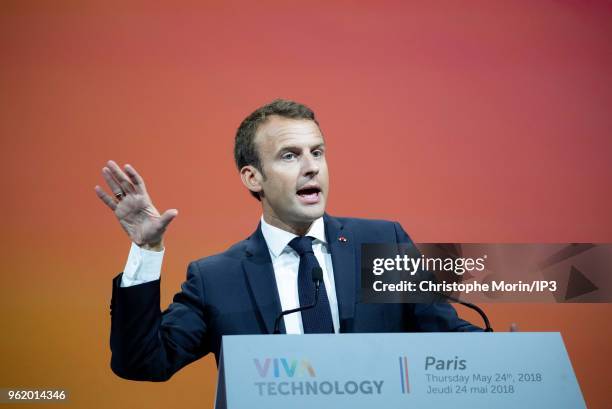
{"points": [[479, 121]]}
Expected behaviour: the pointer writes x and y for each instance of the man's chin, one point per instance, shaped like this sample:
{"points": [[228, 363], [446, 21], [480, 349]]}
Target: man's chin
{"points": [[311, 213]]}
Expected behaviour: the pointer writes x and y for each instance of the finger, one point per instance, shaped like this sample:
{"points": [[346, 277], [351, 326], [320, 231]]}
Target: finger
{"points": [[105, 198], [167, 217], [514, 327], [120, 177], [135, 178], [111, 182]]}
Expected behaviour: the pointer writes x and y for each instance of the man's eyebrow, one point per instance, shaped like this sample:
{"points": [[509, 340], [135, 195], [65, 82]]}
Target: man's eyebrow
{"points": [[297, 148]]}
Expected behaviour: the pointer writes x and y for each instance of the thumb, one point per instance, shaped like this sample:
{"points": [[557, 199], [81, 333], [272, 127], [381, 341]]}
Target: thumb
{"points": [[167, 217]]}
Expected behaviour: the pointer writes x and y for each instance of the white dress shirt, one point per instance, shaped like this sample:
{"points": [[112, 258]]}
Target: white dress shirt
{"points": [[144, 265], [286, 262]]}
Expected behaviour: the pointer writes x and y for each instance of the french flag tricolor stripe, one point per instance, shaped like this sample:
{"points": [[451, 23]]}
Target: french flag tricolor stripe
{"points": [[403, 363]]}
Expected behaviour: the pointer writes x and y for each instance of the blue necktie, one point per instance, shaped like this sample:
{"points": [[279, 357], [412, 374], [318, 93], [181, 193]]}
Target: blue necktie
{"points": [[317, 320]]}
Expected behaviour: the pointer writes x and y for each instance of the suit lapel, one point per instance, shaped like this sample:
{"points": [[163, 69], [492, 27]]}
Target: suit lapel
{"points": [[259, 271], [342, 247]]}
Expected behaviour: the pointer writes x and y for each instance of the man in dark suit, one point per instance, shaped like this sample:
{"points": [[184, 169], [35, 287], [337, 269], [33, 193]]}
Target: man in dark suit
{"points": [[280, 154]]}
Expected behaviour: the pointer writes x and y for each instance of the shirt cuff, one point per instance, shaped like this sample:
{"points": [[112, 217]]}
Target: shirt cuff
{"points": [[142, 266]]}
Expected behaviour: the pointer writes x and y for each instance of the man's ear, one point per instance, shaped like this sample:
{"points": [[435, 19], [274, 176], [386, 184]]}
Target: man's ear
{"points": [[251, 178]]}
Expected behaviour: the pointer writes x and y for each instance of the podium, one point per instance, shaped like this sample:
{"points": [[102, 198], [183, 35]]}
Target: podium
{"points": [[400, 370]]}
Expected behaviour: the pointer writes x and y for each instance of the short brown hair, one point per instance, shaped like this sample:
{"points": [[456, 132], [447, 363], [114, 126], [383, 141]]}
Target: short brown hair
{"points": [[245, 151]]}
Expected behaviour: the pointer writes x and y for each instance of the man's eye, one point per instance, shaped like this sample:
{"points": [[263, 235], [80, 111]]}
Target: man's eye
{"points": [[318, 153], [288, 156]]}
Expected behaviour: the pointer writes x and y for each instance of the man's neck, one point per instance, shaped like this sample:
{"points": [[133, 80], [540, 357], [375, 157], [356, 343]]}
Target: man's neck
{"points": [[299, 229]]}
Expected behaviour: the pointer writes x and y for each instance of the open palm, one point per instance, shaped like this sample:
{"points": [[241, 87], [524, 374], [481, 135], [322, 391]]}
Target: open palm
{"points": [[133, 206]]}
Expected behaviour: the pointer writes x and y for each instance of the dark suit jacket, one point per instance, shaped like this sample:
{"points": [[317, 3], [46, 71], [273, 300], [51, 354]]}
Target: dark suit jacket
{"points": [[235, 292]]}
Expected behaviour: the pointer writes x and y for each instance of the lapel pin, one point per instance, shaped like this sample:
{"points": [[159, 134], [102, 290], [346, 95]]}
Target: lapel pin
{"points": [[342, 239]]}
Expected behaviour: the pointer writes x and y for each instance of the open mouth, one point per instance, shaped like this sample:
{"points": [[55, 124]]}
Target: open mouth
{"points": [[309, 195]]}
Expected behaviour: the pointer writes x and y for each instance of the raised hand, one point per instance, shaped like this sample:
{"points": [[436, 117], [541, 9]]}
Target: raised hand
{"points": [[133, 206]]}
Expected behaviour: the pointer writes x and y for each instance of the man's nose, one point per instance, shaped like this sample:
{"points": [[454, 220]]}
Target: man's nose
{"points": [[310, 165]]}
